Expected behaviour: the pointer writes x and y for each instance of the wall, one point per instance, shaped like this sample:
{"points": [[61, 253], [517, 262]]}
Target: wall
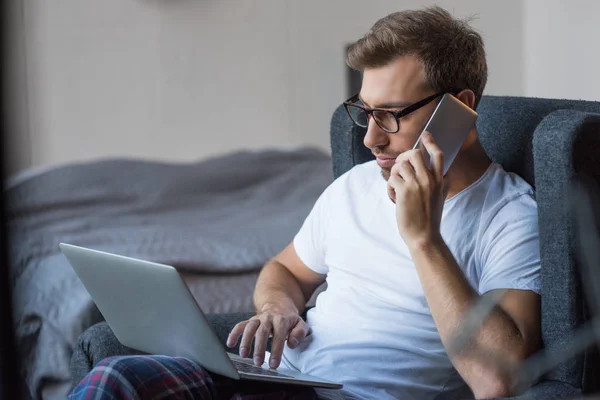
{"points": [[15, 95], [562, 57], [183, 80]]}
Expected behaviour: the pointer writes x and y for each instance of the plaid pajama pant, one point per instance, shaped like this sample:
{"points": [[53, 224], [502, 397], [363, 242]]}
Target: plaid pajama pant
{"points": [[150, 377]]}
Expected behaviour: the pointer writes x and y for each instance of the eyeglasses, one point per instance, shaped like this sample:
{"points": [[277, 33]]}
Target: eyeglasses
{"points": [[387, 120]]}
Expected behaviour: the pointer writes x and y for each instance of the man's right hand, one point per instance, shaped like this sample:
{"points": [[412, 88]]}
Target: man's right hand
{"points": [[281, 325]]}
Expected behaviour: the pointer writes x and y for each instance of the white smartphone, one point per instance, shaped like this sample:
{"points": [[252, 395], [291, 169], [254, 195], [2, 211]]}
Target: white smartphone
{"points": [[449, 125]]}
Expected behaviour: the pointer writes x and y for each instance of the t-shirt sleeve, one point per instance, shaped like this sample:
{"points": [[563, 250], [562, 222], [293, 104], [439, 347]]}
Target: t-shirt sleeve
{"points": [[310, 241], [510, 248]]}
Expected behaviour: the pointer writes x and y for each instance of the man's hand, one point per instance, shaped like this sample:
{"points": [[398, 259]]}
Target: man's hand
{"points": [[419, 193], [282, 325]]}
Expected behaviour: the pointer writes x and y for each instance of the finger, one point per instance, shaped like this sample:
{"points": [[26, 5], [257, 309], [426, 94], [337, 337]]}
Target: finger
{"points": [[280, 331], [407, 172], [396, 168], [394, 184], [235, 334], [417, 161], [260, 341], [436, 155], [298, 333], [403, 156], [248, 336], [391, 193]]}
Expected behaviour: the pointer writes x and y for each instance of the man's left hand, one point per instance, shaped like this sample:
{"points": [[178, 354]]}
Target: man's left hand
{"points": [[419, 193]]}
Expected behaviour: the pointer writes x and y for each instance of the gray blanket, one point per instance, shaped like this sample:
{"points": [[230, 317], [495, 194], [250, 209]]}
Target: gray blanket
{"points": [[225, 215]]}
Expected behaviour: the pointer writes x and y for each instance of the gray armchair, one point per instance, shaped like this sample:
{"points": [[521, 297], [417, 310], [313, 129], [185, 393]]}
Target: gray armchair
{"points": [[548, 143]]}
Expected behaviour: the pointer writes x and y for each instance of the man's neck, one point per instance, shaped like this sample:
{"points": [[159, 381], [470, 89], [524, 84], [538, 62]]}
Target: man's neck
{"points": [[467, 168]]}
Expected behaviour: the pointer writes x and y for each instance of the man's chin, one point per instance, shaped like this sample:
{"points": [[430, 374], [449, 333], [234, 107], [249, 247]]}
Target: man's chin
{"points": [[386, 173]]}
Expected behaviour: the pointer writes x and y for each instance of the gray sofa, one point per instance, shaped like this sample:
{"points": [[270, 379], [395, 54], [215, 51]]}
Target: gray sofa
{"points": [[549, 143]]}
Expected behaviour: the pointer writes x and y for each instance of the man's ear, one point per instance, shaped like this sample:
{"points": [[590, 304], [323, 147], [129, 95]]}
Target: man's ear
{"points": [[468, 97]]}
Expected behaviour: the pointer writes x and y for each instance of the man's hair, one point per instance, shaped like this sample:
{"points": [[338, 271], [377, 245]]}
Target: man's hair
{"points": [[450, 51]]}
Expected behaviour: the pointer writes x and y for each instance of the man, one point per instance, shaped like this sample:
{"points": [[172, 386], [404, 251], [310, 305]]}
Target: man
{"points": [[407, 256]]}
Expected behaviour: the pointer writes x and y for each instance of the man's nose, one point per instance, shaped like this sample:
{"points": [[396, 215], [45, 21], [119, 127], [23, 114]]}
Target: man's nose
{"points": [[375, 136]]}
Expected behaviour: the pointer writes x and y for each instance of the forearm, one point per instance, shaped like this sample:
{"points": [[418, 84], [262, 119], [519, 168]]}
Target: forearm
{"points": [[450, 296], [276, 287]]}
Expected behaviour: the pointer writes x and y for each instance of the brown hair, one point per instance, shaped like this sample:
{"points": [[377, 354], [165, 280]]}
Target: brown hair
{"points": [[450, 51]]}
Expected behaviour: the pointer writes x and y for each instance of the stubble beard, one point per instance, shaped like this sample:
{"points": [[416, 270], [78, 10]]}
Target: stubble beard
{"points": [[386, 173]]}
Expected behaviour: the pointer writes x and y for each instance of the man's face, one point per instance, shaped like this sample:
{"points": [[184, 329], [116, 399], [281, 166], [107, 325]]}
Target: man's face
{"points": [[394, 87]]}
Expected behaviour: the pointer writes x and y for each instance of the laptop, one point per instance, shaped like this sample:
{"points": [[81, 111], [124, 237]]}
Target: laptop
{"points": [[150, 308]]}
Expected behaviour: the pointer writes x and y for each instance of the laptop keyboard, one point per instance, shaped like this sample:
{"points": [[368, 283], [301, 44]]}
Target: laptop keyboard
{"points": [[255, 369]]}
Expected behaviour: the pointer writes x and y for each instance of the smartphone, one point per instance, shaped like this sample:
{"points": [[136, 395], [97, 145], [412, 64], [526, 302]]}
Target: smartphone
{"points": [[449, 125]]}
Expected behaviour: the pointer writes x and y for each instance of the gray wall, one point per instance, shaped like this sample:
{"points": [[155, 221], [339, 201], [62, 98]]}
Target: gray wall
{"points": [[184, 80], [562, 42]]}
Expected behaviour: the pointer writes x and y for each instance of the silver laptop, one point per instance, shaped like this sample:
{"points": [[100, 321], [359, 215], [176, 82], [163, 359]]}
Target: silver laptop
{"points": [[150, 308]]}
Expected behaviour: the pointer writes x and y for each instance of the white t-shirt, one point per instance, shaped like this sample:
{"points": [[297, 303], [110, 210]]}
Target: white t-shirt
{"points": [[372, 329]]}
